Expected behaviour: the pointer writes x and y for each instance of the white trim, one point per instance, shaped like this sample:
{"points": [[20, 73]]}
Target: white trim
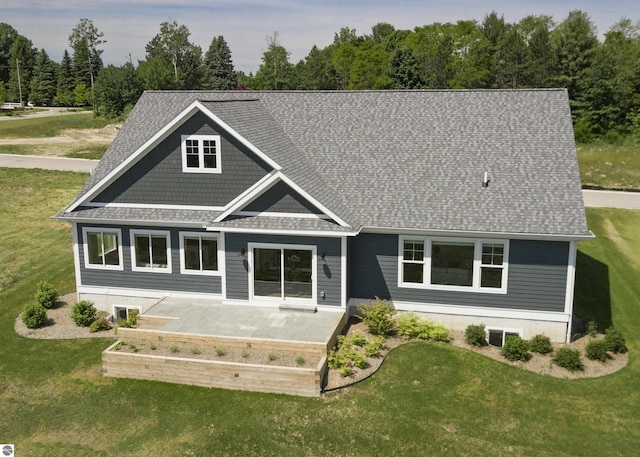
{"points": [[201, 156], [222, 264], [476, 311], [102, 230], [343, 273], [237, 136], [476, 267], [153, 206], [200, 235], [282, 247], [255, 231], [156, 139], [76, 257], [283, 215], [135, 222], [250, 194], [504, 330], [145, 293], [313, 201], [571, 281], [148, 234], [472, 233]]}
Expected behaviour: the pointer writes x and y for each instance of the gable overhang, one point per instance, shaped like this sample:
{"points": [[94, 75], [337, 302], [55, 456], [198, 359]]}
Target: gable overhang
{"points": [[156, 139], [236, 205], [283, 232], [478, 234]]}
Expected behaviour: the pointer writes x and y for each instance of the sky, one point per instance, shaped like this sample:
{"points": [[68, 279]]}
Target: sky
{"points": [[128, 25]]}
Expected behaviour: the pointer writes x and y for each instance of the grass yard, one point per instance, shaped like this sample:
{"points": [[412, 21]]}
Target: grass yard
{"points": [[73, 150], [427, 399], [609, 166], [44, 127]]}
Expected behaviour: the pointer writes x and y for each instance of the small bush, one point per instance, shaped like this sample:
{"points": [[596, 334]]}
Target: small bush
{"points": [[46, 295], [372, 348], [99, 325], [359, 339], [592, 328], [378, 316], [221, 352], [569, 359], [174, 349], [410, 326], [83, 313], [300, 360], [244, 354], [271, 356], [130, 321], [34, 315], [195, 350], [515, 348], [540, 344], [596, 350], [614, 341], [475, 335]]}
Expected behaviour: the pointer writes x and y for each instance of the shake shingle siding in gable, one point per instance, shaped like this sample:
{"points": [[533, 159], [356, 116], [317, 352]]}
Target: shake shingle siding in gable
{"points": [[537, 279], [281, 199], [158, 177]]}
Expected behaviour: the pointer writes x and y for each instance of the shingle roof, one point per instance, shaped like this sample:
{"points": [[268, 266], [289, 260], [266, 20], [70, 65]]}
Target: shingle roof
{"points": [[404, 159]]}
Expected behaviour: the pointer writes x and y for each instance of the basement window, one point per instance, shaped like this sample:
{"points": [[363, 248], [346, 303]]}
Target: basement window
{"points": [[497, 336]]}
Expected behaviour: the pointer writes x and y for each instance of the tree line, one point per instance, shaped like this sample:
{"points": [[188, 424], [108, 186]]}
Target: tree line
{"points": [[602, 78]]}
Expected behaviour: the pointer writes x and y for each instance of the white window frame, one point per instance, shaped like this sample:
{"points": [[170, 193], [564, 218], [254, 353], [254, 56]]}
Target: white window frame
{"points": [[114, 311], [477, 264], [201, 168], [201, 236], [102, 230], [152, 269], [517, 331], [282, 247]]}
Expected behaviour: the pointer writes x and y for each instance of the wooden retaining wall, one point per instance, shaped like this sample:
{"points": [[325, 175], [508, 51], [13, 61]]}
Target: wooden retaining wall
{"points": [[212, 373]]}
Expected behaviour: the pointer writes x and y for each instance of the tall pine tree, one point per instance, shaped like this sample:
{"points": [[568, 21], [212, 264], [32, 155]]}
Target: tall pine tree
{"points": [[219, 73]]}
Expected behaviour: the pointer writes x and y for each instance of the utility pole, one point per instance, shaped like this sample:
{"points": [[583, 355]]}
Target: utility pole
{"points": [[19, 85]]}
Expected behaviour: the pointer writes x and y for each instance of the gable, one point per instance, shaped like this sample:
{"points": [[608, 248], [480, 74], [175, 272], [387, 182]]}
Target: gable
{"points": [[158, 178], [281, 198]]}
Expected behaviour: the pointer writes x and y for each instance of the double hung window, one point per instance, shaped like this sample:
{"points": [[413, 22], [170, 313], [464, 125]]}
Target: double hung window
{"points": [[453, 264], [201, 154]]}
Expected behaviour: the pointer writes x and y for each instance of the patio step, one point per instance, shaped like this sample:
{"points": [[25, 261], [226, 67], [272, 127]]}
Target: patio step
{"points": [[298, 308]]}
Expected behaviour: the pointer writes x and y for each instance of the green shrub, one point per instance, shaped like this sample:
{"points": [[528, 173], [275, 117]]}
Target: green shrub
{"points": [[300, 360], [34, 315], [99, 325], [359, 339], [378, 316], [372, 348], [592, 328], [540, 344], [614, 341], [46, 295], [568, 358], [475, 335], [221, 352], [515, 348], [596, 350], [83, 313], [174, 348], [271, 356], [195, 350], [410, 326]]}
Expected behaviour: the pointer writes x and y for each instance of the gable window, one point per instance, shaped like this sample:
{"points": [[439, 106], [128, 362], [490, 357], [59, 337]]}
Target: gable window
{"points": [[151, 251], [453, 264], [201, 154], [198, 253], [102, 248]]}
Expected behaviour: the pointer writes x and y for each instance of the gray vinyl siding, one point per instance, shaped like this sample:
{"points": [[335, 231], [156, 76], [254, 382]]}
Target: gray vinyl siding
{"points": [[144, 280], [329, 273], [158, 177], [282, 199], [537, 276]]}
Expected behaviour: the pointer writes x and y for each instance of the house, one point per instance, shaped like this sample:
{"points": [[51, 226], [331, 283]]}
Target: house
{"points": [[463, 205]]}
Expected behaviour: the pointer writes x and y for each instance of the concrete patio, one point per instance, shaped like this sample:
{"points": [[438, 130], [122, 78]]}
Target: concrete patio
{"points": [[207, 317]]}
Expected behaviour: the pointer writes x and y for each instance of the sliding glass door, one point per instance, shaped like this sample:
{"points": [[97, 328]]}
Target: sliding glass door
{"points": [[284, 273]]}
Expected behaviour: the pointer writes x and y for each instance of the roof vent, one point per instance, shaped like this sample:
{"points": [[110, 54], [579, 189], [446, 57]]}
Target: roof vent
{"points": [[486, 180]]}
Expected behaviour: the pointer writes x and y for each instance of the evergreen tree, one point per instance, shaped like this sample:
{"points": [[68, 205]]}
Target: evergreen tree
{"points": [[87, 61], [22, 60], [43, 82], [66, 85], [219, 72], [317, 71], [404, 71], [7, 36]]}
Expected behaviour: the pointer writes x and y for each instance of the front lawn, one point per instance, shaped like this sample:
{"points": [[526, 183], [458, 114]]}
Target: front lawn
{"points": [[49, 126], [427, 399], [609, 166]]}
